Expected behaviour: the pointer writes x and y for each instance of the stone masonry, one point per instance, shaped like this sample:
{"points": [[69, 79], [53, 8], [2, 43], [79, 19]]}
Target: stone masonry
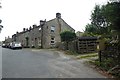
{"points": [[46, 35]]}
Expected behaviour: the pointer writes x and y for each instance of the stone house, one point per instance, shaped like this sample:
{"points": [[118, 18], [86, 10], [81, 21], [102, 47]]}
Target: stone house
{"points": [[79, 34], [28, 37], [51, 31], [46, 35], [7, 40]]}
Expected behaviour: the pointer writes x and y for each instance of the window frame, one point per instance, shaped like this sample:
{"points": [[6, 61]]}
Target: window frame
{"points": [[52, 29]]}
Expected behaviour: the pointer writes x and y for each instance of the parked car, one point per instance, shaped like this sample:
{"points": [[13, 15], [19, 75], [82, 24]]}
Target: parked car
{"points": [[3, 45], [15, 45]]}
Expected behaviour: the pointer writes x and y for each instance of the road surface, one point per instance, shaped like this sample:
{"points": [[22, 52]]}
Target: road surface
{"points": [[43, 63]]}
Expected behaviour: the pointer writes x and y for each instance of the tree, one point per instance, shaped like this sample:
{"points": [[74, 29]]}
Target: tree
{"points": [[112, 14], [96, 17], [67, 36], [98, 21], [0, 5], [90, 28], [1, 25], [108, 17], [0, 20]]}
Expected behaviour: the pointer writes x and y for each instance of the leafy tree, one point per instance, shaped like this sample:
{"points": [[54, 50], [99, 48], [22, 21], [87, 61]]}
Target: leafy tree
{"points": [[98, 24], [112, 14], [107, 17], [67, 36], [96, 17], [1, 25], [0, 5], [90, 28], [0, 20]]}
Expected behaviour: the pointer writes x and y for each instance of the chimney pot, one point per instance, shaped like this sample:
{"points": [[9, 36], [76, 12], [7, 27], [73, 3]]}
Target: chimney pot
{"points": [[23, 29], [58, 15], [42, 22]]}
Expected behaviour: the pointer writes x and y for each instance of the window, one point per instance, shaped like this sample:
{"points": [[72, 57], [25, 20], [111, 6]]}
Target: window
{"points": [[52, 28], [52, 40], [39, 28]]}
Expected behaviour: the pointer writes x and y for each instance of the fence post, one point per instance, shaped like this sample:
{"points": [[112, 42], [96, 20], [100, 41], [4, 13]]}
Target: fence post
{"points": [[100, 60]]}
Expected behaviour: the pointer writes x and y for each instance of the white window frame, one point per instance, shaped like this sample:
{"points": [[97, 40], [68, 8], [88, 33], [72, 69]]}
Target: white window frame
{"points": [[52, 40], [52, 28]]}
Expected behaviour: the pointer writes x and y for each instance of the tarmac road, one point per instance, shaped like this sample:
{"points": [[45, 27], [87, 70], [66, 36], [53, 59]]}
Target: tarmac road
{"points": [[43, 63]]}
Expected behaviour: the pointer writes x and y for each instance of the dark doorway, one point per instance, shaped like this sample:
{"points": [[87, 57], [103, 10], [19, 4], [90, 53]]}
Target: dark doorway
{"points": [[27, 42]]}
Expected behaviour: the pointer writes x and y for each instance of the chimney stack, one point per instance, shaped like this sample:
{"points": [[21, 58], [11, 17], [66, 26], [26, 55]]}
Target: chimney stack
{"points": [[26, 29], [58, 15], [34, 26], [30, 28], [42, 22], [17, 32], [23, 29]]}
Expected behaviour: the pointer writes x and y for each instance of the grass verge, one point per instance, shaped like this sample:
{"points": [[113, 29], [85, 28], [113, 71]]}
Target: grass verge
{"points": [[89, 55]]}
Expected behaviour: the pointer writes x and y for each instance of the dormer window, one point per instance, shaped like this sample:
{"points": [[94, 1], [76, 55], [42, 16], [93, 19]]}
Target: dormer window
{"points": [[52, 28]]}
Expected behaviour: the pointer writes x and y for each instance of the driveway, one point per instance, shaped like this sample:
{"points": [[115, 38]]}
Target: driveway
{"points": [[43, 63]]}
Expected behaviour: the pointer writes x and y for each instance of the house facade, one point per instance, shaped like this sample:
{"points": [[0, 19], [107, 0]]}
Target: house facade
{"points": [[7, 40], [46, 35], [29, 37], [51, 31]]}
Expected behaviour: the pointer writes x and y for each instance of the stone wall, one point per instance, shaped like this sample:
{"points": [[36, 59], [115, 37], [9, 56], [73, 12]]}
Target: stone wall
{"points": [[81, 45]]}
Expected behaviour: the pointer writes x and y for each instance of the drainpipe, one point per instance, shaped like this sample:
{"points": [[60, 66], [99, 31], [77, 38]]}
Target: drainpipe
{"points": [[42, 23]]}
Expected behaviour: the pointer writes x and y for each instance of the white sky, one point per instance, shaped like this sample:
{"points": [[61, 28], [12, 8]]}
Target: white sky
{"points": [[17, 14]]}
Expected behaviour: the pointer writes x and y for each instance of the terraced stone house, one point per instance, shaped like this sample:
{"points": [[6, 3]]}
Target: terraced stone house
{"points": [[46, 35]]}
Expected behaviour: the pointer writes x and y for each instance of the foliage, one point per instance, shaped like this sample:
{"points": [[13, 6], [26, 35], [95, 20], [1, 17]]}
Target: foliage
{"points": [[87, 56], [68, 52], [91, 28], [104, 18], [1, 25], [97, 18], [112, 13], [67, 36], [107, 65]]}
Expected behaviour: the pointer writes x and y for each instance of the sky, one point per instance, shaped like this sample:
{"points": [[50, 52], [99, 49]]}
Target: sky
{"points": [[19, 14]]}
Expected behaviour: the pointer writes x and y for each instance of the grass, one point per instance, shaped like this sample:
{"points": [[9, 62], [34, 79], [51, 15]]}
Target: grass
{"points": [[71, 53], [105, 66], [81, 56], [89, 55]]}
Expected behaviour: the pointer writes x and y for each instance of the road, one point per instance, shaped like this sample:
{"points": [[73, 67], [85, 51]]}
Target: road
{"points": [[42, 63]]}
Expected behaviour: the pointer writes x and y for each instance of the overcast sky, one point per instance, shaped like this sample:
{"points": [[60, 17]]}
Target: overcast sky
{"points": [[17, 14]]}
